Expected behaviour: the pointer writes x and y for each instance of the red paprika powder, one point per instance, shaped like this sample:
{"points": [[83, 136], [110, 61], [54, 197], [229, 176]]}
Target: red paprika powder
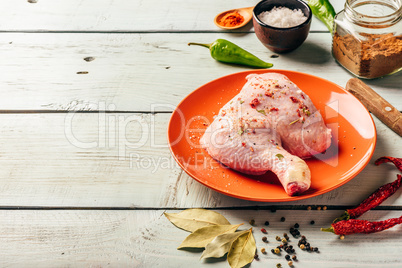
{"points": [[231, 19]]}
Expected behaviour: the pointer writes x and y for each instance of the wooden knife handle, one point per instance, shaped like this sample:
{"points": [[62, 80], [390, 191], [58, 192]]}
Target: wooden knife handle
{"points": [[384, 111]]}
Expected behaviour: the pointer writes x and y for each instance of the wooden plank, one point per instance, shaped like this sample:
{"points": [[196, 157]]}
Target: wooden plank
{"points": [[120, 15], [145, 238], [133, 72], [74, 154], [122, 160]]}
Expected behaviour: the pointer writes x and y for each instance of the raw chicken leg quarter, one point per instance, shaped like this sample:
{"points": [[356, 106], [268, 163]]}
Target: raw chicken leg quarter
{"points": [[270, 125]]}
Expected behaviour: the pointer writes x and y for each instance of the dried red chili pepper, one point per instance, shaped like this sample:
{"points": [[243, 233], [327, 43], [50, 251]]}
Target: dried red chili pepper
{"points": [[375, 199], [397, 161], [354, 226], [379, 196]]}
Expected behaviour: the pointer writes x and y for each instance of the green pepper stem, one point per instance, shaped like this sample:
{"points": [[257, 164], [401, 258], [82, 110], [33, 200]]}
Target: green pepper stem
{"points": [[330, 230], [199, 44], [344, 216]]}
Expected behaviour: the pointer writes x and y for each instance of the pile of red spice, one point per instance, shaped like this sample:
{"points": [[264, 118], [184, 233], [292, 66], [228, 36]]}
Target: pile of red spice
{"points": [[231, 19]]}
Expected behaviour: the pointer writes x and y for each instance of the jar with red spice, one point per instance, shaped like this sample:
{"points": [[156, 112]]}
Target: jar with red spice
{"points": [[367, 37]]}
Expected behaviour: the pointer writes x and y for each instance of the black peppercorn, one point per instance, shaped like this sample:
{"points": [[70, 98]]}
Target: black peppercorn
{"points": [[312, 222], [287, 257], [266, 223], [297, 225], [283, 219]]}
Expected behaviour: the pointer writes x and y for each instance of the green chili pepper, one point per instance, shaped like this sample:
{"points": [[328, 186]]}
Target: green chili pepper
{"points": [[324, 11], [225, 51]]}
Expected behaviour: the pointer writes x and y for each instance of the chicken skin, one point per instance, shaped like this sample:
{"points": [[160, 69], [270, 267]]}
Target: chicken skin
{"points": [[270, 125]]}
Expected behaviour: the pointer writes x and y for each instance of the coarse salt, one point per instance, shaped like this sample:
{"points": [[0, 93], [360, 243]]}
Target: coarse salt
{"points": [[282, 17]]}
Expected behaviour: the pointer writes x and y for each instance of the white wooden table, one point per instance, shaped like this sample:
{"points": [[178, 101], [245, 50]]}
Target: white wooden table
{"points": [[75, 192]]}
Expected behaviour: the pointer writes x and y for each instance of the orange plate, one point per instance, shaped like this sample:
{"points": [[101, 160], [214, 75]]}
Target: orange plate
{"points": [[353, 143]]}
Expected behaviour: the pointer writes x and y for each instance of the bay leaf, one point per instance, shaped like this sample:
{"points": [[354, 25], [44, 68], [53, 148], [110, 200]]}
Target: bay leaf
{"points": [[220, 245], [202, 236], [195, 218], [242, 250]]}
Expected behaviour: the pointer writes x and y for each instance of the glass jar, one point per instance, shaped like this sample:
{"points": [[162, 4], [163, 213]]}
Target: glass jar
{"points": [[367, 37]]}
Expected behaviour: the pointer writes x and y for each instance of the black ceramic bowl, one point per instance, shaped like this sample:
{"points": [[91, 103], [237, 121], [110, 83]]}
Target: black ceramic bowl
{"points": [[281, 40]]}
